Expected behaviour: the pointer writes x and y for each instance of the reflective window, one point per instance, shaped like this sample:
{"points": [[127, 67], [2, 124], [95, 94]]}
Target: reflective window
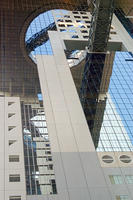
{"points": [[116, 179], [37, 151], [129, 179], [122, 197], [116, 127], [37, 40]]}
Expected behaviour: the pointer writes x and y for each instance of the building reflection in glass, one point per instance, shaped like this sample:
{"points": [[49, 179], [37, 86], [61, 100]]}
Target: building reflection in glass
{"points": [[40, 178], [116, 128]]}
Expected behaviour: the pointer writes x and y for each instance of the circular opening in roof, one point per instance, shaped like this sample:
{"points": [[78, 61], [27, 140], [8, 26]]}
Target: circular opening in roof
{"points": [[37, 37], [107, 159], [125, 159], [37, 40]]}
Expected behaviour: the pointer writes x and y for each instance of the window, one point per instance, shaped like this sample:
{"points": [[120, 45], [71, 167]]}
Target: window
{"points": [[125, 159], [85, 17], [13, 158], [122, 197], [107, 159], [69, 25], [49, 158], [78, 21], [10, 103], [116, 179], [53, 186], [11, 127], [77, 17], [60, 20], [75, 12], [75, 36], [81, 26], [87, 22], [83, 13], [14, 178], [61, 25], [12, 142], [85, 36], [129, 179], [68, 20], [63, 30], [50, 167], [10, 114], [84, 31], [113, 32], [15, 198], [66, 16], [47, 152]]}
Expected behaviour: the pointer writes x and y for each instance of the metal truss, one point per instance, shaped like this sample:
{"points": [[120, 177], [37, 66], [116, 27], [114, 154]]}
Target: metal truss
{"points": [[97, 47], [100, 25], [39, 38]]}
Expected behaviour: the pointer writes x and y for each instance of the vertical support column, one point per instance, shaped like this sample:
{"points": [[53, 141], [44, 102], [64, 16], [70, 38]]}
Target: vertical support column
{"points": [[77, 169]]}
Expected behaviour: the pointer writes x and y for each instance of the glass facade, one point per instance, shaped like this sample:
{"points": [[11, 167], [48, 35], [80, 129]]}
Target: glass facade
{"points": [[112, 121], [40, 178], [117, 124]]}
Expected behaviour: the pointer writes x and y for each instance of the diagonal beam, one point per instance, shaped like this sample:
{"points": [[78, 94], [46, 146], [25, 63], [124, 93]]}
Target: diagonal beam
{"points": [[39, 38]]}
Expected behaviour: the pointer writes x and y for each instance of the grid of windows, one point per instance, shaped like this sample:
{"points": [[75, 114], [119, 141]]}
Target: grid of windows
{"points": [[76, 24], [118, 179], [116, 133], [40, 178], [116, 129], [37, 25], [20, 79]]}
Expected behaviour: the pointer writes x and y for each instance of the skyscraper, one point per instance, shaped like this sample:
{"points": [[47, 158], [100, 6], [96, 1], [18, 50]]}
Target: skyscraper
{"points": [[66, 111]]}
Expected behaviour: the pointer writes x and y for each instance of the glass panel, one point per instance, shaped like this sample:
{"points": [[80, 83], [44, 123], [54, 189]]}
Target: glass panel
{"points": [[122, 197], [116, 179], [129, 179]]}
